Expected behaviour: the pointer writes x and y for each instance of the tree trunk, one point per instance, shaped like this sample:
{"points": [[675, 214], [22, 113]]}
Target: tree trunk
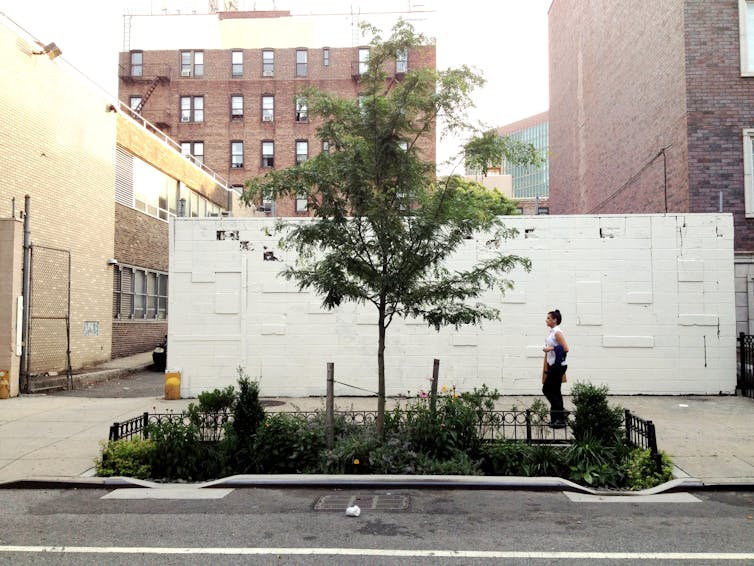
{"points": [[381, 373]]}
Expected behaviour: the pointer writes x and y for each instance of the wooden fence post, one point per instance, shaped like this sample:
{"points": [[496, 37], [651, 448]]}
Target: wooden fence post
{"points": [[330, 405]]}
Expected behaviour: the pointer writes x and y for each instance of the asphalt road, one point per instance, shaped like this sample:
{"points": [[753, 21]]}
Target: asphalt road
{"points": [[273, 526], [145, 383]]}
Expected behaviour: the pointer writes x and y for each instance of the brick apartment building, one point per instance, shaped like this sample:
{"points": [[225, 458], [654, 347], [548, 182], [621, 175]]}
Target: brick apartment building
{"points": [[101, 188], [229, 94], [652, 111]]}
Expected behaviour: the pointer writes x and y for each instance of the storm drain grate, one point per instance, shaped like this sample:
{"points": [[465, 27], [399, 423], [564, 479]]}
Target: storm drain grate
{"points": [[339, 502]]}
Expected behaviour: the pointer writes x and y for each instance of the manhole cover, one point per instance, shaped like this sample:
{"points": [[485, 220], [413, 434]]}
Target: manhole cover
{"points": [[339, 502]]}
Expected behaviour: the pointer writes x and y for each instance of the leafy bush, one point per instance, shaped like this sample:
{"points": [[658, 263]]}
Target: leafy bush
{"points": [[503, 458], [177, 452], [353, 453], [458, 464], [594, 417], [130, 458], [542, 460], [641, 469], [592, 463], [287, 444], [248, 412]]}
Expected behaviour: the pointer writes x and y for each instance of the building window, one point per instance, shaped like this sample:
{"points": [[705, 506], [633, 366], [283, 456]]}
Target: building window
{"points": [[268, 63], [134, 102], [192, 109], [302, 151], [302, 113], [302, 62], [363, 60], [401, 62], [746, 33], [543, 210], [192, 63], [325, 147], [268, 154], [193, 149], [140, 294], [236, 63], [268, 108], [137, 64], [326, 57], [236, 106], [302, 202], [236, 155]]}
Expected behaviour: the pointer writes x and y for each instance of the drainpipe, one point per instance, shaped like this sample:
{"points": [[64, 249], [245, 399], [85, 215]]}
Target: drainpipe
{"points": [[25, 294]]}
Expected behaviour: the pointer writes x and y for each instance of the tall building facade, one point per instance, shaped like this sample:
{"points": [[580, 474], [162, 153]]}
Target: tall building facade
{"points": [[231, 95], [652, 110], [101, 187], [529, 182]]}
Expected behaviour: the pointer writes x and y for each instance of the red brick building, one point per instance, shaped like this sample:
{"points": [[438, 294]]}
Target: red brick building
{"points": [[231, 100], [652, 110]]}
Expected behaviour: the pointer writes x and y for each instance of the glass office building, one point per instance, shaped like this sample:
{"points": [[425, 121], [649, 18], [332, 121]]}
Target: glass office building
{"points": [[530, 182]]}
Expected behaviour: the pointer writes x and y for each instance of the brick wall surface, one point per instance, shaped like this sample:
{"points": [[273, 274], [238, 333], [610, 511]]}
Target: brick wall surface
{"points": [[135, 337], [629, 78], [217, 86], [617, 97], [140, 240], [58, 146], [647, 301]]}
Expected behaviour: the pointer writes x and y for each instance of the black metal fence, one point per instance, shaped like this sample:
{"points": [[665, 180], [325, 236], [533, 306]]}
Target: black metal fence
{"points": [[527, 425], [745, 381], [641, 433]]}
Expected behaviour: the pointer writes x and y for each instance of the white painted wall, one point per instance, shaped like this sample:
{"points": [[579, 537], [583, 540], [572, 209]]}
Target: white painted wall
{"points": [[647, 302]]}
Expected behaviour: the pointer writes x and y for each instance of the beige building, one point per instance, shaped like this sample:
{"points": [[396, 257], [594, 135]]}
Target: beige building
{"points": [[101, 187]]}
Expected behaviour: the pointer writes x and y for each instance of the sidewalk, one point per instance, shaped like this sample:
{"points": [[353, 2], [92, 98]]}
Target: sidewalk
{"points": [[47, 437]]}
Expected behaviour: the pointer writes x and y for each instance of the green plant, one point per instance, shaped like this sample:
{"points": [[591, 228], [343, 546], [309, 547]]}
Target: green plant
{"points": [[217, 400], [177, 452], [642, 471], [594, 417], [458, 464], [248, 412], [503, 458], [131, 458], [287, 444], [353, 453], [542, 460]]}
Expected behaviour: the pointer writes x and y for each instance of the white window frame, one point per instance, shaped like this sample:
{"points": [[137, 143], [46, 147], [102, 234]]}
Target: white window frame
{"points": [[363, 60], [268, 108], [302, 110], [236, 106], [236, 63], [268, 63], [236, 155], [401, 62], [302, 62], [747, 66], [748, 135], [268, 154], [302, 151]]}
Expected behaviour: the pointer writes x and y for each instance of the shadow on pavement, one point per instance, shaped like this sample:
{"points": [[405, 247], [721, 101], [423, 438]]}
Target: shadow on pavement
{"points": [[148, 382]]}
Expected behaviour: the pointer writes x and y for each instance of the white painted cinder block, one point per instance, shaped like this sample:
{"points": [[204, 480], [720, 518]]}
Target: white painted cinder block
{"points": [[648, 306]]}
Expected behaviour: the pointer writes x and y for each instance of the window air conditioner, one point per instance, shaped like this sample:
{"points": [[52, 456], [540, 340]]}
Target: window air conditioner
{"points": [[185, 73], [267, 118], [185, 118], [268, 73], [237, 165]]}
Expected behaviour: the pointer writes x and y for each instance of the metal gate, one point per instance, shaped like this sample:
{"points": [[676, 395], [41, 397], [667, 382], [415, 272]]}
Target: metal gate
{"points": [[49, 336], [746, 364]]}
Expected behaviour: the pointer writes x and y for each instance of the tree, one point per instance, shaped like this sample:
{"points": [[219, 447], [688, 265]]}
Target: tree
{"points": [[384, 224]]}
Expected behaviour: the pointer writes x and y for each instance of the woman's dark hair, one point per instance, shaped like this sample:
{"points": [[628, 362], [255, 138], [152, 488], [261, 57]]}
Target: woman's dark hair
{"points": [[556, 315]]}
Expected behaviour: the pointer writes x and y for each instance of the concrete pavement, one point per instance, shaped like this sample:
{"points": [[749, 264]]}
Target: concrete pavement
{"points": [[57, 437]]}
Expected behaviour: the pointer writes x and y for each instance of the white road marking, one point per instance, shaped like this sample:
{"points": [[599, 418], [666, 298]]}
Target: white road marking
{"points": [[681, 497], [166, 493], [708, 556]]}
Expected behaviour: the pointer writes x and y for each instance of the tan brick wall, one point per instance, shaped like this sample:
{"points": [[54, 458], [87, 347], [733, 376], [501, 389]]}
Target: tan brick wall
{"points": [[58, 146]]}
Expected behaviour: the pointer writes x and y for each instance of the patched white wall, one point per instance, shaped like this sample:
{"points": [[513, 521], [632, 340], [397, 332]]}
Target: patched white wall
{"points": [[648, 306]]}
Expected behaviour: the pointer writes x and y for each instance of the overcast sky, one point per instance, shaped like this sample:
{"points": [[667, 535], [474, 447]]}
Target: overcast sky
{"points": [[505, 39]]}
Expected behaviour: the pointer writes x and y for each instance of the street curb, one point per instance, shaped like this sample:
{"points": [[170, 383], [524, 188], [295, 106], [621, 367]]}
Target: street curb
{"points": [[302, 481], [91, 377]]}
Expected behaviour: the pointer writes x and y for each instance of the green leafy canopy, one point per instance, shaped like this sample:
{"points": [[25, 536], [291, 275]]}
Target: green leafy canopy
{"points": [[384, 225]]}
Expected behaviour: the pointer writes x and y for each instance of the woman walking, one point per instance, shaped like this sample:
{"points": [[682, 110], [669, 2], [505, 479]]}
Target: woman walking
{"points": [[554, 368]]}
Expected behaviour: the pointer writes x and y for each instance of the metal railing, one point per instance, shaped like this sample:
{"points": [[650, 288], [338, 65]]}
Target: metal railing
{"points": [[745, 377], [640, 433], [525, 425]]}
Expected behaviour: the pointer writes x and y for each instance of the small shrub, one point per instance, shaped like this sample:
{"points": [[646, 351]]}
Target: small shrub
{"points": [[248, 412], [542, 460], [129, 458], [353, 453], [503, 458], [395, 455], [287, 444], [459, 464], [217, 400], [641, 469], [594, 417], [177, 452]]}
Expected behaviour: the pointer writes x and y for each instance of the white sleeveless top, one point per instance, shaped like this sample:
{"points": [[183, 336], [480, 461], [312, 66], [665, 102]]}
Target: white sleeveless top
{"points": [[551, 341]]}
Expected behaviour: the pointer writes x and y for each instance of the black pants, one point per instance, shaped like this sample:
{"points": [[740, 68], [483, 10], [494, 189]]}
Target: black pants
{"points": [[551, 390]]}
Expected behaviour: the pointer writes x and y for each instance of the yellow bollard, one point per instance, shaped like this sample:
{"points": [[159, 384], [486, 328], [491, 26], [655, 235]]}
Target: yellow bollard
{"points": [[172, 385], [4, 384]]}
